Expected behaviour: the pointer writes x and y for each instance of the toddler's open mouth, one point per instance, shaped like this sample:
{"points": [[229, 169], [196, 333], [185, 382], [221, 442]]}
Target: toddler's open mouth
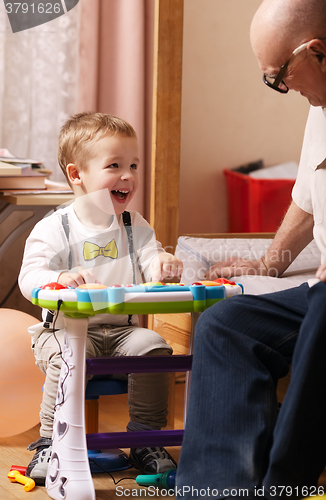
{"points": [[120, 194]]}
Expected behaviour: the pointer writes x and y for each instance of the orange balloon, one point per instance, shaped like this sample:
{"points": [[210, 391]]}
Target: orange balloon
{"points": [[21, 380]]}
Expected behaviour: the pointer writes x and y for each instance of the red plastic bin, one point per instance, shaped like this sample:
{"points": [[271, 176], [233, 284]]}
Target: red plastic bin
{"points": [[256, 205]]}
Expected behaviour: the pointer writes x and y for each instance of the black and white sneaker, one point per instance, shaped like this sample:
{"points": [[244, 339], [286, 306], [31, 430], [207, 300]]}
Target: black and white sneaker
{"points": [[38, 467], [151, 460]]}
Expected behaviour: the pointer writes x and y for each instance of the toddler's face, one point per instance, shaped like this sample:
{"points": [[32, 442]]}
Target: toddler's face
{"points": [[113, 170]]}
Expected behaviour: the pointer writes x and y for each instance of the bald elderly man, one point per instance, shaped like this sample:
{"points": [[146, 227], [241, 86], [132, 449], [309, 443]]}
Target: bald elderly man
{"points": [[236, 443]]}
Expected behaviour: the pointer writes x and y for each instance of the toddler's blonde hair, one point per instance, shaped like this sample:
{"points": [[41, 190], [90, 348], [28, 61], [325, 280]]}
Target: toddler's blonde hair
{"points": [[79, 133]]}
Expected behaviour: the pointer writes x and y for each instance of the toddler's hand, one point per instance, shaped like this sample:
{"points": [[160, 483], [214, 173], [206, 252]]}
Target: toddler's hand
{"points": [[165, 265], [74, 279]]}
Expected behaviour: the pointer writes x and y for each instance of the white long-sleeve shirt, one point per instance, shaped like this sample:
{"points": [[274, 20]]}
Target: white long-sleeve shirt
{"points": [[105, 252], [309, 191]]}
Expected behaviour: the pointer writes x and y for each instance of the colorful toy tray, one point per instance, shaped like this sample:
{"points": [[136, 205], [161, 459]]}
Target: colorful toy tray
{"points": [[148, 298]]}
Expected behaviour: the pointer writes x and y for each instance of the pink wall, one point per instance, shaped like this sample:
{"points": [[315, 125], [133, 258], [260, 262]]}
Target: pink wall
{"points": [[116, 71]]}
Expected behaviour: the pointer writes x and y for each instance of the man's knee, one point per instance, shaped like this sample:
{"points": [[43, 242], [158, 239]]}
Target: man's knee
{"points": [[220, 314]]}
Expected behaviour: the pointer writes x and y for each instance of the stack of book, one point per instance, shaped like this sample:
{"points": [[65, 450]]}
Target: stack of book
{"points": [[23, 174], [20, 177]]}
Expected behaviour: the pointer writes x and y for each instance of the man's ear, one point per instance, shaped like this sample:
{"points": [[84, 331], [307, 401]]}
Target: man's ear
{"points": [[317, 49], [73, 174]]}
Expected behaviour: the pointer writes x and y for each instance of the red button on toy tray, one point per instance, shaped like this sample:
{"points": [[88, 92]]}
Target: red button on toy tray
{"points": [[224, 281], [53, 286]]}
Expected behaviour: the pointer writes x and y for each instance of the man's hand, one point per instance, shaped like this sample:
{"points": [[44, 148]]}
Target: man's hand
{"points": [[165, 265], [293, 235], [75, 278], [321, 272], [237, 267]]}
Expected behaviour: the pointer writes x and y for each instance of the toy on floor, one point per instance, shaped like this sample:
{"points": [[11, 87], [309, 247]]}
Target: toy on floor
{"points": [[19, 468], [164, 481], [17, 477]]}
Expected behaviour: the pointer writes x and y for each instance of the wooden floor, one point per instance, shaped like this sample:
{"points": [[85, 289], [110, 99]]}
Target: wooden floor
{"points": [[113, 418]]}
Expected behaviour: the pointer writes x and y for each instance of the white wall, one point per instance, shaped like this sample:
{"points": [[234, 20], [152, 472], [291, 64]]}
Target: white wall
{"points": [[229, 117]]}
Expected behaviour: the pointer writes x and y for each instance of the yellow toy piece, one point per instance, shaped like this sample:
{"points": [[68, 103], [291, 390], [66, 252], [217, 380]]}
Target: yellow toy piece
{"points": [[17, 477], [93, 286], [209, 283], [154, 283]]}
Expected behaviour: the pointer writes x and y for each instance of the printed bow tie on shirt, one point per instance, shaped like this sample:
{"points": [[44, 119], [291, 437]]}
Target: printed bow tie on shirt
{"points": [[91, 250]]}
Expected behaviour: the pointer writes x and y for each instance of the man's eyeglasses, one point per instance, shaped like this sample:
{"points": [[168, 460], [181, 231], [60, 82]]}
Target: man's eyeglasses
{"points": [[276, 82]]}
